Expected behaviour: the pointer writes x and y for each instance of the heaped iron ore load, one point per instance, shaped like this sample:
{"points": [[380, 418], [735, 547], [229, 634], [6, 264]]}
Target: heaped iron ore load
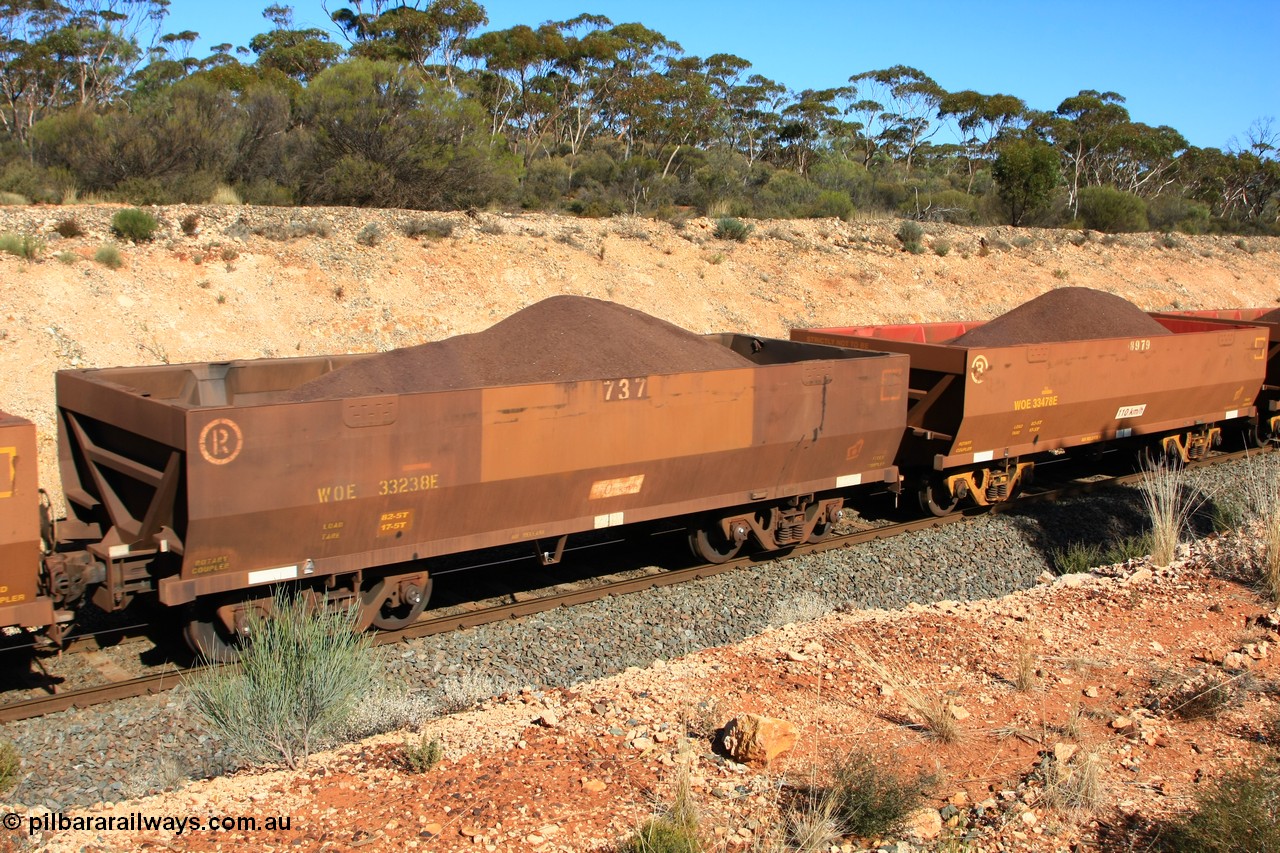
{"points": [[209, 483], [986, 399], [21, 601]]}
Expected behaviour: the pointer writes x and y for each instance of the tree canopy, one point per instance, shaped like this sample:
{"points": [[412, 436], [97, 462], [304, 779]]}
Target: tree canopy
{"points": [[416, 104]]}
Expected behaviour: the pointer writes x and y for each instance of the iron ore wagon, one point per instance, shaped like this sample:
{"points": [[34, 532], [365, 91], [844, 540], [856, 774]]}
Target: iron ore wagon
{"points": [[208, 484], [982, 412]]}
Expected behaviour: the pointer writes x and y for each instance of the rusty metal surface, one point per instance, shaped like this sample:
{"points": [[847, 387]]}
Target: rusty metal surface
{"points": [[972, 405], [440, 624], [1231, 317], [193, 472], [20, 603]]}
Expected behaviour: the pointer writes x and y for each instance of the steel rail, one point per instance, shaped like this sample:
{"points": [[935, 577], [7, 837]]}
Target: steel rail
{"points": [[430, 625]]}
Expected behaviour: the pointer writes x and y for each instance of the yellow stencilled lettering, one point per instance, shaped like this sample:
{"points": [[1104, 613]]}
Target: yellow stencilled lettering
{"points": [[1140, 345], [963, 447], [331, 530], [1089, 439], [206, 565], [404, 485], [395, 522], [529, 534], [1036, 425], [332, 494], [1035, 402], [13, 599]]}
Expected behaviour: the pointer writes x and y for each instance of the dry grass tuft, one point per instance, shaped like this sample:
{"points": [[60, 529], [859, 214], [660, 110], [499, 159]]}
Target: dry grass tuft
{"points": [[1025, 665], [1170, 502], [1073, 784], [927, 703]]}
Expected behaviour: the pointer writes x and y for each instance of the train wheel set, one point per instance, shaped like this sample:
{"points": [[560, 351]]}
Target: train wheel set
{"points": [[204, 487]]}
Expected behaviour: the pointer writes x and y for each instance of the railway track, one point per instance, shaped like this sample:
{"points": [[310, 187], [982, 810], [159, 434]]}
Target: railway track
{"points": [[470, 615]]}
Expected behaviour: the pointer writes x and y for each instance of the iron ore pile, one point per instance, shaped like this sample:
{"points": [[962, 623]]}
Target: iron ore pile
{"points": [[1065, 314], [560, 339]]}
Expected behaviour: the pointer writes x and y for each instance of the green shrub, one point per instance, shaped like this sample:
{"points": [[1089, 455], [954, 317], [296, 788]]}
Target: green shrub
{"points": [[69, 228], [910, 234], [729, 228], [13, 199], [433, 228], [67, 258], [133, 224], [941, 248], [370, 235], [1084, 556], [1237, 813], [676, 831], [870, 800], [1111, 210], [191, 224], [298, 681], [830, 203], [954, 206], [423, 755], [1077, 557], [108, 255], [10, 766], [223, 194], [1173, 213], [662, 836], [23, 245], [266, 193], [1128, 548]]}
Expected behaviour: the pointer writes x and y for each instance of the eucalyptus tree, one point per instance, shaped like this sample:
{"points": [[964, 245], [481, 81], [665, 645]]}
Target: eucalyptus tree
{"points": [[1085, 128], [908, 102], [431, 36], [981, 120], [299, 53], [386, 135], [805, 122], [56, 54], [1026, 170]]}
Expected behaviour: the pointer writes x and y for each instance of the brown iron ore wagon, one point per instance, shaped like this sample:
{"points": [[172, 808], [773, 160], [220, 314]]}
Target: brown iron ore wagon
{"points": [[21, 601], [1266, 426], [209, 484], [981, 414]]}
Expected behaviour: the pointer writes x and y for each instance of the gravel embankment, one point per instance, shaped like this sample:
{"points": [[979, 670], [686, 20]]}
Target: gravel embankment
{"points": [[142, 746]]}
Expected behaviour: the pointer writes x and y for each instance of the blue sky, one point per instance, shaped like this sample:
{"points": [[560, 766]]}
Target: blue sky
{"points": [[1205, 68]]}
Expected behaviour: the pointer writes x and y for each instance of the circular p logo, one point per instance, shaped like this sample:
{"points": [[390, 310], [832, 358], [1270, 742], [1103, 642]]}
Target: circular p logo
{"points": [[220, 441]]}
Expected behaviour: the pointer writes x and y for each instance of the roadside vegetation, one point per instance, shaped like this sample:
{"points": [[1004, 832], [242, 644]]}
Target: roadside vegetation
{"points": [[298, 681], [423, 105]]}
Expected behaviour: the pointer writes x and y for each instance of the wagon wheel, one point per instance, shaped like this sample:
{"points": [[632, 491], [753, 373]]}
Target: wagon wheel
{"points": [[206, 636], [1257, 433], [820, 531], [709, 543], [935, 498], [378, 610]]}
